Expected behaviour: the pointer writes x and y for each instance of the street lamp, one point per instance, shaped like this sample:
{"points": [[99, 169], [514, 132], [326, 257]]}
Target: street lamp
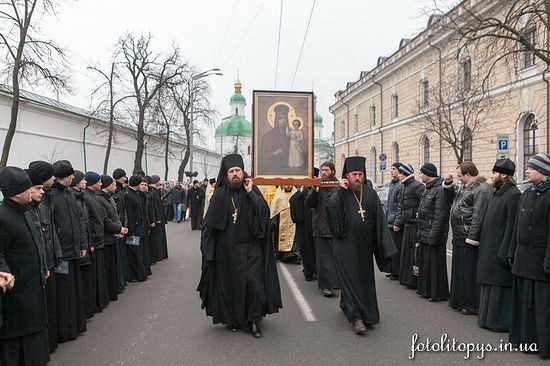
{"points": [[198, 76]]}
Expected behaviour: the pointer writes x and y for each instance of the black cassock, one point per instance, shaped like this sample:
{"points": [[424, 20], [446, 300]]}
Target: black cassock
{"points": [[301, 216], [239, 281], [355, 242]]}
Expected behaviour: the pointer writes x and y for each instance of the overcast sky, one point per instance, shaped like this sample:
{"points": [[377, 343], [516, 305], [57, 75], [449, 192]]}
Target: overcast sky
{"points": [[344, 38]]}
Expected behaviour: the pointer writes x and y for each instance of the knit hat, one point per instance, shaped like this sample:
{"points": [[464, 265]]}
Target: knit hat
{"points": [[139, 172], [155, 179], [396, 165], [406, 169], [62, 169], [148, 179], [118, 173], [212, 181], [541, 163], [106, 181], [78, 176], [34, 177], [505, 166], [429, 169], [13, 181], [43, 168], [135, 180], [92, 178]]}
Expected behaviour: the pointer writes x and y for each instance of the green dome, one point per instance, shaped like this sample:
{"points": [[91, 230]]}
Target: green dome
{"points": [[317, 119], [236, 126], [237, 98]]}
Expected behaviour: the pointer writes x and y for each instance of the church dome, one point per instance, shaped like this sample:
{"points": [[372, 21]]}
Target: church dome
{"points": [[237, 97], [235, 126]]}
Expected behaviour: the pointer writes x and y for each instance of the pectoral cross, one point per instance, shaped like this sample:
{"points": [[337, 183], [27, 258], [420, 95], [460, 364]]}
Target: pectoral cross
{"points": [[234, 216], [362, 213]]}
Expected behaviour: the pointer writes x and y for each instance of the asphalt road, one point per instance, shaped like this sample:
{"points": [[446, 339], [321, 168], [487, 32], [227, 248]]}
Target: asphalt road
{"points": [[159, 322]]}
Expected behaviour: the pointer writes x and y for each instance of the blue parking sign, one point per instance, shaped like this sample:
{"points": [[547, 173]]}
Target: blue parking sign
{"points": [[502, 142], [382, 167]]}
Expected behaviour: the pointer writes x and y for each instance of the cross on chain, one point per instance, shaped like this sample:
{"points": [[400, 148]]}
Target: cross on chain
{"points": [[234, 216], [362, 213]]}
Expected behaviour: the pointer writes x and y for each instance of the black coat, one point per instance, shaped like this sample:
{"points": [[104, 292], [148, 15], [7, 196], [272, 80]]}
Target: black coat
{"points": [[467, 210], [409, 200], [176, 195], [496, 234], [95, 218], [54, 255], [195, 200], [433, 215], [393, 200], [317, 202], [111, 221], [67, 222], [530, 246], [135, 211], [157, 205], [118, 196], [24, 306]]}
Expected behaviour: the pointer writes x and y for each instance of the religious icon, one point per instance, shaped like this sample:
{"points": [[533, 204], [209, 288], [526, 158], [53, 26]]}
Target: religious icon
{"points": [[283, 134]]}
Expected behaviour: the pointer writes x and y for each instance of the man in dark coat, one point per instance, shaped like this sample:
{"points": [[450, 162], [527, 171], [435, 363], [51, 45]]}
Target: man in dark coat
{"points": [[360, 231], [23, 334], [112, 231], [239, 283], [467, 212], [433, 227], [530, 256], [119, 175], [176, 196], [71, 318], [95, 219], [327, 277], [303, 238], [137, 230], [493, 271], [158, 233], [53, 252], [195, 200], [406, 221], [391, 212]]}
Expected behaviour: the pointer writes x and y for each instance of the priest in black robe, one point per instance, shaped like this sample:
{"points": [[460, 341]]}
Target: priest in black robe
{"points": [[195, 200], [239, 283], [359, 229], [529, 254], [303, 239]]}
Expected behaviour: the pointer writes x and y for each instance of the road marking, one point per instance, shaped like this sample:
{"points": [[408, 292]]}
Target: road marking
{"points": [[450, 252], [303, 305]]}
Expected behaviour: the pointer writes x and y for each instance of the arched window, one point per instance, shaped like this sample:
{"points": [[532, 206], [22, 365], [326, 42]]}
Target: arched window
{"points": [[372, 164], [465, 75], [424, 150], [467, 144], [530, 138], [395, 152]]}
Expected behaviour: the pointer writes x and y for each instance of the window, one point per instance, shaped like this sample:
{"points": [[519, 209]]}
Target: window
{"points": [[530, 138], [237, 111], [356, 124], [394, 106], [467, 144], [465, 76], [424, 150], [424, 93], [373, 115], [395, 152], [527, 57]]}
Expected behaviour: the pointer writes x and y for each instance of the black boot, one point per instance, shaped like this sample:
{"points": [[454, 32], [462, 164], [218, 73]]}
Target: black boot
{"points": [[255, 330]]}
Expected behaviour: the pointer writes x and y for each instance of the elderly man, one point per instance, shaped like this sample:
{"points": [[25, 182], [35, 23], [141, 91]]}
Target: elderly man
{"points": [[360, 231], [530, 254], [239, 283]]}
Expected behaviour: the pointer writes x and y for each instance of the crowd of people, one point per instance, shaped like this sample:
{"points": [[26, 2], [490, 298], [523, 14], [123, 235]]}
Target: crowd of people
{"points": [[500, 239], [70, 242]]}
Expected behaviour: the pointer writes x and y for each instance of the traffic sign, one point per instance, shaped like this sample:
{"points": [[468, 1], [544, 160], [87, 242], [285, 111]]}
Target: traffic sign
{"points": [[383, 157], [502, 143], [503, 156], [383, 167]]}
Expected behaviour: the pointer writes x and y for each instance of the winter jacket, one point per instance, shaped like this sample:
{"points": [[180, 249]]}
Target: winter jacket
{"points": [[468, 209], [530, 246], [118, 196], [95, 221], [496, 235], [393, 201], [67, 222], [111, 221], [54, 255], [409, 199], [433, 215], [176, 195], [317, 202], [135, 211]]}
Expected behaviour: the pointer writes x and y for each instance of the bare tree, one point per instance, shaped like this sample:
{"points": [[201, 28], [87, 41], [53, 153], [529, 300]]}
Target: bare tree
{"points": [[148, 73], [30, 58], [184, 93], [108, 105]]}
